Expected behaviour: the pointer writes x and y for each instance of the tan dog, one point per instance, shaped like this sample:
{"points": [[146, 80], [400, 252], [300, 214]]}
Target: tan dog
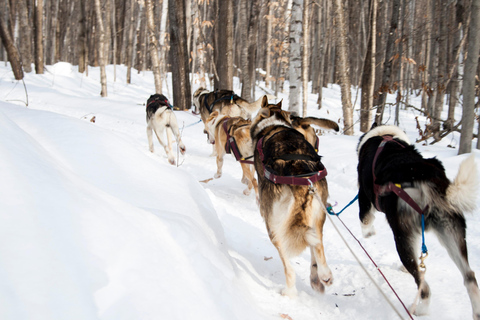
{"points": [[225, 102], [294, 213], [219, 129]]}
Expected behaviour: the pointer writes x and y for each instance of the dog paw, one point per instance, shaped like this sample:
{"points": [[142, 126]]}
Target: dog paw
{"points": [[245, 180], [316, 284], [217, 175], [183, 149], [172, 161], [290, 292], [368, 230], [247, 192]]}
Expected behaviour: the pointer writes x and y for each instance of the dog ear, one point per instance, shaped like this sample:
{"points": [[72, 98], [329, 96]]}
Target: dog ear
{"points": [[264, 101], [279, 105], [264, 112], [374, 125]]}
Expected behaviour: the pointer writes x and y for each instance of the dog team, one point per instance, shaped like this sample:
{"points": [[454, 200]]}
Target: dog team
{"points": [[292, 190]]}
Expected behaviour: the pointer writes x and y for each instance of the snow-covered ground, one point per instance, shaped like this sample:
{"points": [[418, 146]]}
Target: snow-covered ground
{"points": [[94, 226]]}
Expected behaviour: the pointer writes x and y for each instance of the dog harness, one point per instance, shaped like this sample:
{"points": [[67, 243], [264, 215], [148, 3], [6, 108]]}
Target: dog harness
{"points": [[397, 189], [231, 144], [165, 103], [307, 179], [229, 95]]}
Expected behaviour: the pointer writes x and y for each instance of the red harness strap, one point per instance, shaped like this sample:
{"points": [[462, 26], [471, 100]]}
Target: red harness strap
{"points": [[390, 186], [294, 180], [231, 145]]}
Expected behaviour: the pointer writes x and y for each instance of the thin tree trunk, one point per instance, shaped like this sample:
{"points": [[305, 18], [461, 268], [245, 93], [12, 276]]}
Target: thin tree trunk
{"points": [[344, 74], [471, 63], [101, 48], [131, 29], [25, 34], [368, 77], [39, 37], [12, 52], [224, 45], [295, 60], [305, 66], [153, 47]]}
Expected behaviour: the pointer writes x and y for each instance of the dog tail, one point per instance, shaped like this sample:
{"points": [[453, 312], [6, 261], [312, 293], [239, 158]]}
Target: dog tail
{"points": [[320, 122], [462, 193]]}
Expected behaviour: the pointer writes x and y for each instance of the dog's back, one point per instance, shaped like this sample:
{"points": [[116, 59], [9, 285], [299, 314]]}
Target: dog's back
{"points": [[155, 102]]}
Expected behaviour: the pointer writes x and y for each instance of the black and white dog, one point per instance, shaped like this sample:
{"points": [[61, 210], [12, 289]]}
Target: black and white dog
{"points": [[160, 118], [389, 165]]}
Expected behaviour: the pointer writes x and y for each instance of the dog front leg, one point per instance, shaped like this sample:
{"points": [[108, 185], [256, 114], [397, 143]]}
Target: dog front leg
{"points": [[220, 156]]}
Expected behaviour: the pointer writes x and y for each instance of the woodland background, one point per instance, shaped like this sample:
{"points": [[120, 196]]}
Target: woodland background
{"points": [[427, 48]]}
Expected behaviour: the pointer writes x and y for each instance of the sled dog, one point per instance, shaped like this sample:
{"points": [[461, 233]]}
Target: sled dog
{"points": [[395, 179], [160, 118], [294, 213], [225, 102], [227, 133]]}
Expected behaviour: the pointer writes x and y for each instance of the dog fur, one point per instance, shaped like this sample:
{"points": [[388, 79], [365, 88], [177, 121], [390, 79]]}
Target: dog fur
{"points": [[304, 126], [239, 129], [232, 105], [161, 119], [293, 215], [426, 183]]}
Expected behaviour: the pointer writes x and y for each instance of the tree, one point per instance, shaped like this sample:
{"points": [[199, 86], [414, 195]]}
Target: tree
{"points": [[471, 63], [305, 67], [295, 57], [39, 37], [343, 66], [224, 45], [179, 55], [101, 49], [368, 77], [12, 51], [153, 47]]}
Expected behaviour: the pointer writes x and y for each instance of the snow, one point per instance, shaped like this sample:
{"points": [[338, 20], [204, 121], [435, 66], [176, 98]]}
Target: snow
{"points": [[94, 226]]}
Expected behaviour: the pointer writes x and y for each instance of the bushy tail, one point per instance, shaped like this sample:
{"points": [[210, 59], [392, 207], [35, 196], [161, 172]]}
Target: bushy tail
{"points": [[462, 193]]}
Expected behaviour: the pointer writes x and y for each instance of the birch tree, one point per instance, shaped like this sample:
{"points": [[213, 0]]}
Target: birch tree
{"points": [[295, 57], [343, 66], [153, 45], [101, 48]]}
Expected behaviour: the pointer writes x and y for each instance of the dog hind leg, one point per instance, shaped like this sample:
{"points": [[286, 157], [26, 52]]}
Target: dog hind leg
{"points": [[290, 290], [404, 241], [149, 137], [452, 238], [178, 138], [366, 214], [166, 146], [320, 273]]}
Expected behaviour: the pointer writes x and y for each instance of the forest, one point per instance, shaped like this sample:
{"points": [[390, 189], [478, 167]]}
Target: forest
{"points": [[427, 48]]}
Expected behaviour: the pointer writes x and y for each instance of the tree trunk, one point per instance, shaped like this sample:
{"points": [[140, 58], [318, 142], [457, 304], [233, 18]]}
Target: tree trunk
{"points": [[12, 52], [468, 115], [305, 66], [101, 48], [295, 60], [344, 74], [368, 77], [387, 69], [153, 47], [224, 45], [179, 55], [39, 37], [25, 35], [131, 29]]}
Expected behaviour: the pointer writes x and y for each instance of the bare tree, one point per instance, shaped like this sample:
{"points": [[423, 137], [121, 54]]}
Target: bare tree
{"points": [[344, 76], [471, 63], [39, 36], [101, 48], [12, 51], [305, 66], [179, 55], [295, 57], [224, 45], [153, 47]]}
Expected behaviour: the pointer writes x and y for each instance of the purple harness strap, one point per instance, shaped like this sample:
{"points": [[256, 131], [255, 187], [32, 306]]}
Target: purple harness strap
{"points": [[294, 180], [391, 187], [231, 145]]}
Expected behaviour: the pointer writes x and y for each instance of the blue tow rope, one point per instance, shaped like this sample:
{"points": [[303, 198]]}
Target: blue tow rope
{"points": [[330, 209], [424, 247]]}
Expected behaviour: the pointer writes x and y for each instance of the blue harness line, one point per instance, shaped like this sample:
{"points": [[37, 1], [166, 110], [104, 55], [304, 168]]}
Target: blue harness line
{"points": [[330, 209]]}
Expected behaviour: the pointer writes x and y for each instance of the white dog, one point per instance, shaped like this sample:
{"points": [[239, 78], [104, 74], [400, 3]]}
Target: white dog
{"points": [[160, 117]]}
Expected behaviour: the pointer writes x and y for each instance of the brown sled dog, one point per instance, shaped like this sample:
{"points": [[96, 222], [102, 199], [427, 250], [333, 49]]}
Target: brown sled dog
{"points": [[219, 129], [294, 214], [225, 102]]}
